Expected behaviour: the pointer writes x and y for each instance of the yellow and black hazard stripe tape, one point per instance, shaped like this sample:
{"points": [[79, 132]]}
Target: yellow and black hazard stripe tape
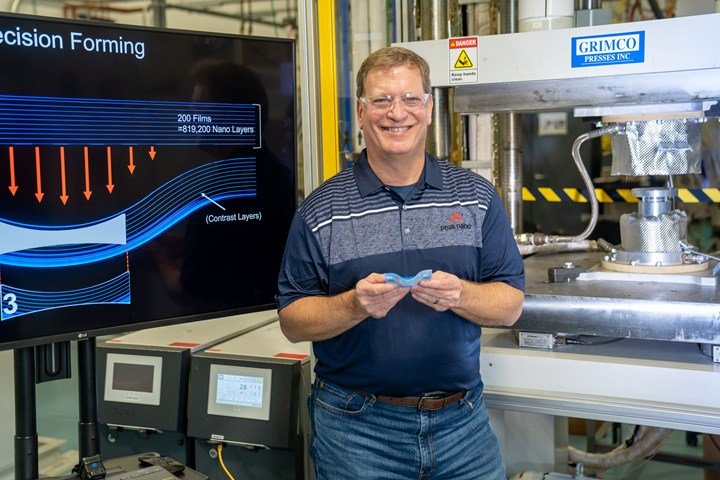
{"points": [[618, 195]]}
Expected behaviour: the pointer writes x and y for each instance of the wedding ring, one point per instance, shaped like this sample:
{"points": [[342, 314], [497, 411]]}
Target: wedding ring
{"points": [[437, 300]]}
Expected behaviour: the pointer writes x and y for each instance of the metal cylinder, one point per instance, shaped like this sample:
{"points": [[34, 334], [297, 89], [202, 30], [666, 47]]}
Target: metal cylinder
{"points": [[511, 143], [511, 168], [159, 8], [654, 201], [588, 4], [509, 15], [438, 139], [434, 26]]}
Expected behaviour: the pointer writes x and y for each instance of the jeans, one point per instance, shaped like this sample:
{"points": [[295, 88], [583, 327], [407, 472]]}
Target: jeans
{"points": [[354, 436]]}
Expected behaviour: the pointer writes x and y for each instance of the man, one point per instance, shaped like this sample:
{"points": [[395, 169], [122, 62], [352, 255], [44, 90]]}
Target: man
{"points": [[398, 392]]}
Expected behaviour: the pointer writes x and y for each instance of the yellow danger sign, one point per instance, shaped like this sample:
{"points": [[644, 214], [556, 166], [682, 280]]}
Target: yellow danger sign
{"points": [[463, 61]]}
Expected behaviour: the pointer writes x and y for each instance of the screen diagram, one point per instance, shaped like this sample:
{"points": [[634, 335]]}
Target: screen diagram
{"points": [[42, 123], [140, 178]]}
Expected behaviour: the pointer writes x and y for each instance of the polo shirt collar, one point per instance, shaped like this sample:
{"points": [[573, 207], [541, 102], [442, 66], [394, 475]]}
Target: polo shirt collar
{"points": [[367, 182]]}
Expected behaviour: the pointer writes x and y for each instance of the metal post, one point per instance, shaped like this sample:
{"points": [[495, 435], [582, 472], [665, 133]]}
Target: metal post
{"points": [[511, 144], [434, 25], [26, 437], [588, 4], [159, 8], [88, 440]]}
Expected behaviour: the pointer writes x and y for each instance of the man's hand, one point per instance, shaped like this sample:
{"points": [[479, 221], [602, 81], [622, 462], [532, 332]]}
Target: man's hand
{"points": [[376, 297], [440, 292]]}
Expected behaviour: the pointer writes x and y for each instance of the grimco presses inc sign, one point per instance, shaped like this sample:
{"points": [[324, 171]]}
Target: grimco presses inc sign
{"points": [[608, 49]]}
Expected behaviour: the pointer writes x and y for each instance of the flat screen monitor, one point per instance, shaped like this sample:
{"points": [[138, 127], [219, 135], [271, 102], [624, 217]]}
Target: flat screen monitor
{"points": [[147, 176]]}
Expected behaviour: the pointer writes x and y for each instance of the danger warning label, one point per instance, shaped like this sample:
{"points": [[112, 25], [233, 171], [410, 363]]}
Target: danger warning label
{"points": [[463, 60]]}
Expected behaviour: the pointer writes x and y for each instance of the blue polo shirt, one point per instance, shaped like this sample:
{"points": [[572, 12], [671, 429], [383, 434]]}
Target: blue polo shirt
{"points": [[353, 225]]}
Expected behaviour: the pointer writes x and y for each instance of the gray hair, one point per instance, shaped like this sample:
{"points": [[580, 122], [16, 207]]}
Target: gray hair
{"points": [[392, 57]]}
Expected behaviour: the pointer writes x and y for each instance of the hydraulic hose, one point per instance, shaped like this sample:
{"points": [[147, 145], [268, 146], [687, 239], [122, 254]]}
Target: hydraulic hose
{"points": [[644, 442], [584, 246], [594, 208], [541, 238]]}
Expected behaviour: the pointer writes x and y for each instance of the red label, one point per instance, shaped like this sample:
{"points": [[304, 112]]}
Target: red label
{"points": [[463, 42], [183, 344], [294, 356]]}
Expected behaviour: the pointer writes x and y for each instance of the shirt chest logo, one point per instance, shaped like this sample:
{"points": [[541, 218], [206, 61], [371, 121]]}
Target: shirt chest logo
{"points": [[455, 222]]}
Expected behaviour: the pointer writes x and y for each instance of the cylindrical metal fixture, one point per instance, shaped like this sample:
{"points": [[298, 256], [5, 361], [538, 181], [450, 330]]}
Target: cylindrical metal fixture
{"points": [[511, 168], [590, 12], [509, 16], [654, 201], [159, 8], [588, 4], [511, 134], [434, 25], [438, 139]]}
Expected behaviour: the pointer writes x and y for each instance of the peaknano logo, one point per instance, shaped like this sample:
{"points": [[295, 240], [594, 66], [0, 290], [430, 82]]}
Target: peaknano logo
{"points": [[456, 217], [608, 49]]}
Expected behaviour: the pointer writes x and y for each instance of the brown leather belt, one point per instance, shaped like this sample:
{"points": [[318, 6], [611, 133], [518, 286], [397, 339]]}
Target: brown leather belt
{"points": [[427, 402]]}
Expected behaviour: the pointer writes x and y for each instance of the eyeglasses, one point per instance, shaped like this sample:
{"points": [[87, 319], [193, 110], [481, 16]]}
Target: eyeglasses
{"points": [[409, 101]]}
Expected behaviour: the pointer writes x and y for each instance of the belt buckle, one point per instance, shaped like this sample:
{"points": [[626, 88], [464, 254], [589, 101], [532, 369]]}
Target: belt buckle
{"points": [[430, 397]]}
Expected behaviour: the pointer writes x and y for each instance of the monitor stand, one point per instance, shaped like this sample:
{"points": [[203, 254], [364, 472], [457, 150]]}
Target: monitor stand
{"points": [[88, 440], [26, 436]]}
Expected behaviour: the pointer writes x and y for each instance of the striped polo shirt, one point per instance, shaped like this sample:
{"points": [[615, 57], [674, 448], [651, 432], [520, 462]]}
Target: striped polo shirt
{"points": [[354, 225]]}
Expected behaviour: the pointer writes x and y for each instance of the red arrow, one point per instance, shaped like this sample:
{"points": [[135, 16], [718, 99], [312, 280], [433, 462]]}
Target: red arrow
{"points": [[39, 194], [152, 153], [109, 185], [131, 167], [64, 197], [87, 191], [13, 187]]}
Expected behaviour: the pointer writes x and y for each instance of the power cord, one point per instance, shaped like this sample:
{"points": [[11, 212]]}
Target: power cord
{"points": [[222, 463], [579, 341]]}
